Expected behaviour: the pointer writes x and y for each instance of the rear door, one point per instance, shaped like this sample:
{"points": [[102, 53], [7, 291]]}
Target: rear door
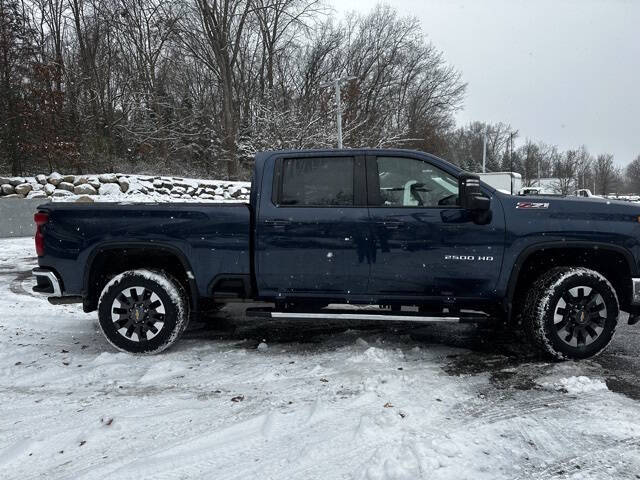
{"points": [[423, 242], [312, 233]]}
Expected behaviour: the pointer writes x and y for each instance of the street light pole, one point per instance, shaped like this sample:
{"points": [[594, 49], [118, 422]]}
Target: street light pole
{"points": [[336, 83]]}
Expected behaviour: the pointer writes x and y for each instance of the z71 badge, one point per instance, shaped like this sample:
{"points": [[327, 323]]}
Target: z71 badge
{"points": [[532, 205]]}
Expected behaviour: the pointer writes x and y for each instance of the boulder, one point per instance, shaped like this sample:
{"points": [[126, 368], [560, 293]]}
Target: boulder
{"points": [[179, 190], [49, 189], [66, 186], [166, 184], [55, 178], [186, 197], [110, 189], [124, 184], [94, 182], [236, 193], [163, 191], [37, 194], [41, 179], [191, 190], [81, 180], [157, 183], [84, 199], [23, 188], [218, 198], [69, 178], [7, 189], [13, 195], [108, 178], [4, 181], [84, 189], [61, 193], [15, 181], [206, 196]]}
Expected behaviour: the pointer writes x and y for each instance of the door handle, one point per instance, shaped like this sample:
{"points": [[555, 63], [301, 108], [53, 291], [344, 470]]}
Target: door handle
{"points": [[277, 223], [390, 224]]}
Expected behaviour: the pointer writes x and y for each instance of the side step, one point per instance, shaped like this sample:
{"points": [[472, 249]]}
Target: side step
{"points": [[379, 315]]}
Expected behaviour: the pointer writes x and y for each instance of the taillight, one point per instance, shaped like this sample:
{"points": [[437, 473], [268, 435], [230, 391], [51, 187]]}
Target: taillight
{"points": [[40, 218]]}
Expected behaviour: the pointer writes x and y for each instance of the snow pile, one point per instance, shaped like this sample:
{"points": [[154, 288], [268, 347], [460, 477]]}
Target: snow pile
{"points": [[579, 384], [119, 187]]}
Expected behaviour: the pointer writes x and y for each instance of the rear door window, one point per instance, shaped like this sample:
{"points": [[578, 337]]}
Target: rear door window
{"points": [[317, 182]]}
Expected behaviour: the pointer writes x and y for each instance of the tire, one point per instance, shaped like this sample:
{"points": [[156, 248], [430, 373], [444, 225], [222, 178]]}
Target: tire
{"points": [[143, 311], [571, 313]]}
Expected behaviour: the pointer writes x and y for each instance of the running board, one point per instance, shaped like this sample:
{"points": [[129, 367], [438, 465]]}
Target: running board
{"points": [[379, 316]]}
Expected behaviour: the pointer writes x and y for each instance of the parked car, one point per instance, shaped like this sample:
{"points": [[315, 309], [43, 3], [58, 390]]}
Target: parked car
{"points": [[403, 230]]}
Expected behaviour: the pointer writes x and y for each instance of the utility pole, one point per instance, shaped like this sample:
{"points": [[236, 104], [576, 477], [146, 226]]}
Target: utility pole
{"points": [[336, 83], [484, 151], [511, 135]]}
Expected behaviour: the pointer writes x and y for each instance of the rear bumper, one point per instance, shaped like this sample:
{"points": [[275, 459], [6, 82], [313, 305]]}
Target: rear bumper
{"points": [[48, 282]]}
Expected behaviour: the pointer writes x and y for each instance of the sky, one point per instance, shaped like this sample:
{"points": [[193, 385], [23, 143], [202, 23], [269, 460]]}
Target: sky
{"points": [[566, 72]]}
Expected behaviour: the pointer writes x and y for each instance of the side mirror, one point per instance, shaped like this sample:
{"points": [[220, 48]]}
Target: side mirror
{"points": [[471, 197]]}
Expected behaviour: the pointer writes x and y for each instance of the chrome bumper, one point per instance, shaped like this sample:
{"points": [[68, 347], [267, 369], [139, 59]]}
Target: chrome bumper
{"points": [[54, 290], [635, 291]]}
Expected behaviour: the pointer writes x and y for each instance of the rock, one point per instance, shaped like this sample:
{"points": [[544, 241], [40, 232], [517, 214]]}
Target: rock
{"points": [[23, 188], [236, 193], [69, 178], [7, 189], [110, 189], [55, 178], [163, 191], [13, 195], [84, 189], [179, 190], [84, 199], [245, 191], [206, 196], [226, 195], [37, 194], [66, 186], [4, 181], [15, 181], [41, 179], [108, 178], [81, 180], [124, 184], [218, 198], [157, 183], [36, 186], [187, 197], [61, 193], [94, 182], [167, 185], [49, 189]]}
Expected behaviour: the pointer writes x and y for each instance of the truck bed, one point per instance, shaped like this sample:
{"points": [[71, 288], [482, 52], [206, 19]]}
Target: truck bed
{"points": [[212, 239]]}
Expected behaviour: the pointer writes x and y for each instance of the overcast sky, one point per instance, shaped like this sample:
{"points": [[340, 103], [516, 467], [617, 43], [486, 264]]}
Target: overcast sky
{"points": [[566, 72]]}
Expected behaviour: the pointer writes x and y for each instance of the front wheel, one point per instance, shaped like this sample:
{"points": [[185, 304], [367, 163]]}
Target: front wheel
{"points": [[143, 311], [571, 313]]}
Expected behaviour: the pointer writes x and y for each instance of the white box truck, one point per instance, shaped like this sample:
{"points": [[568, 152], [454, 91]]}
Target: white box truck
{"points": [[507, 182]]}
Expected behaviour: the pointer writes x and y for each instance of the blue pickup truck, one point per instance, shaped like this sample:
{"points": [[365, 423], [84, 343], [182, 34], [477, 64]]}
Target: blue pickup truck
{"points": [[406, 233]]}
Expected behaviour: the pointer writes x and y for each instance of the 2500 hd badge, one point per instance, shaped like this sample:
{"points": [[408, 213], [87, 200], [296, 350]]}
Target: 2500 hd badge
{"points": [[469, 258]]}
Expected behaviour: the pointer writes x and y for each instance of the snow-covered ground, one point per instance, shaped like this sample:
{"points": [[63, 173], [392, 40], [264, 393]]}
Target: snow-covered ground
{"points": [[313, 400]]}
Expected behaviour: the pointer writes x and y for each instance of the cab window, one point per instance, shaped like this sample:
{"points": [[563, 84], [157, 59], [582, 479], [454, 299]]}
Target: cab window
{"points": [[409, 182]]}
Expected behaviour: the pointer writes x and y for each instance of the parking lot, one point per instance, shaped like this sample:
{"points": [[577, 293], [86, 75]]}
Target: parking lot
{"points": [[358, 400]]}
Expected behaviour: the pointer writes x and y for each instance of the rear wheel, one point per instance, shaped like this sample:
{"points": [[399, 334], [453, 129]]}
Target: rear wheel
{"points": [[571, 313], [143, 311]]}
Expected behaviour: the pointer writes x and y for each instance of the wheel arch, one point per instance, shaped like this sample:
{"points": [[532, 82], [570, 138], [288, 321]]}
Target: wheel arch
{"points": [[131, 255], [572, 253]]}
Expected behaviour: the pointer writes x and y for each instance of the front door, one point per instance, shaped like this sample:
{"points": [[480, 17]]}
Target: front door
{"points": [[312, 234], [423, 242]]}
